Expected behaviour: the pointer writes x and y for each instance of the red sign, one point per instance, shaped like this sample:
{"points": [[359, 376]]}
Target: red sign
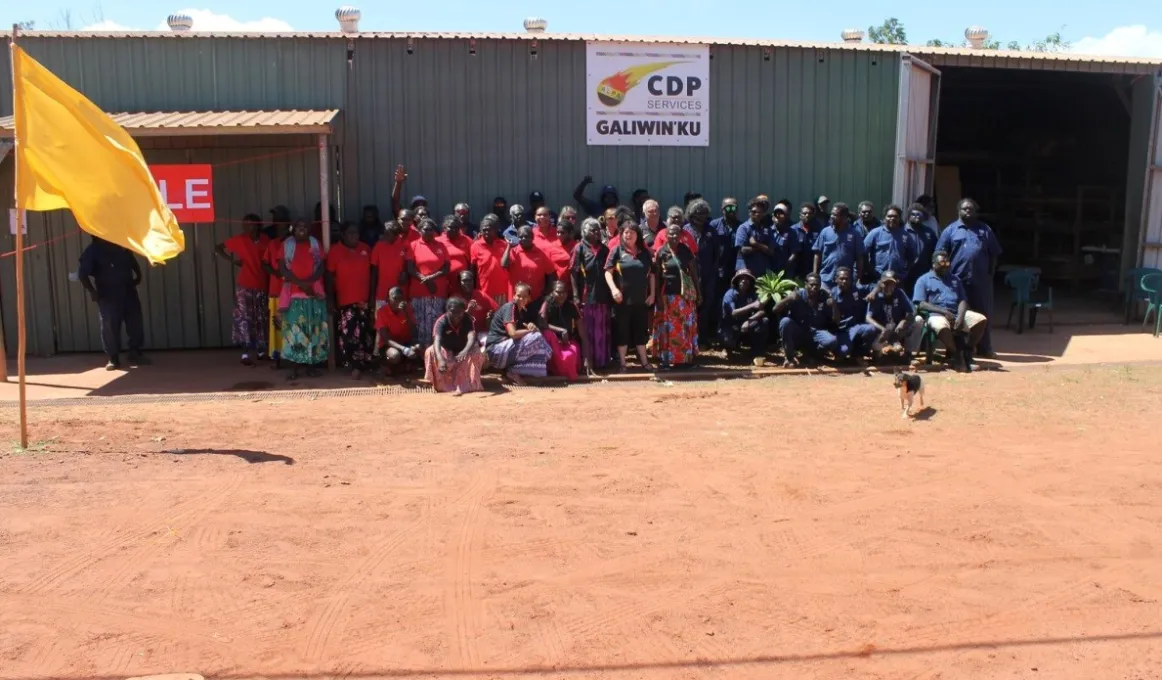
{"points": [[188, 190]]}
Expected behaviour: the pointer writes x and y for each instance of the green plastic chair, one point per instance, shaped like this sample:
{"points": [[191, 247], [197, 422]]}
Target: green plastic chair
{"points": [[1152, 284], [1024, 282], [1134, 290]]}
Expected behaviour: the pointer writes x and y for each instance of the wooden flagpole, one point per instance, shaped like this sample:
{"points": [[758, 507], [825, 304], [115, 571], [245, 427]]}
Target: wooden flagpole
{"points": [[20, 341]]}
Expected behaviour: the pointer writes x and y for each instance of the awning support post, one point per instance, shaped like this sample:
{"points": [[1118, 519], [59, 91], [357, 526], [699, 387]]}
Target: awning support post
{"points": [[325, 218]]}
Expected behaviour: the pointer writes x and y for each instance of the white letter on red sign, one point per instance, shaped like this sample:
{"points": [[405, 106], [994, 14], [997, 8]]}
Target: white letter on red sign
{"points": [[193, 193]]}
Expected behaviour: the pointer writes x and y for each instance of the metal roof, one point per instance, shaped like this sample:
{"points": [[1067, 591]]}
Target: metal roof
{"points": [[950, 56], [192, 123]]}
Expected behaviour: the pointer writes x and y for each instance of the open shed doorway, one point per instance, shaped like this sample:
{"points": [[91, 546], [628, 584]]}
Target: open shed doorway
{"points": [[1045, 154]]}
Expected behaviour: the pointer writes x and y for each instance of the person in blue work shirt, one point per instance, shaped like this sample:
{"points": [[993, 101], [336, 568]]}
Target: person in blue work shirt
{"points": [[941, 294], [838, 245], [925, 236], [866, 219], [709, 254], [809, 227], [890, 245], [725, 226], [606, 199], [753, 239], [855, 334], [892, 314], [110, 274], [744, 318], [809, 325], [516, 219], [786, 248], [973, 249]]}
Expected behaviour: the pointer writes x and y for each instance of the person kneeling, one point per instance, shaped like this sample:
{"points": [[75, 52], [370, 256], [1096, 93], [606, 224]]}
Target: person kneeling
{"points": [[454, 361], [810, 325], [744, 321], [891, 313], [396, 326]]}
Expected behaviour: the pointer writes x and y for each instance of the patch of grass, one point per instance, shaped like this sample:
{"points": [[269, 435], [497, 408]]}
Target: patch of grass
{"points": [[33, 447]]}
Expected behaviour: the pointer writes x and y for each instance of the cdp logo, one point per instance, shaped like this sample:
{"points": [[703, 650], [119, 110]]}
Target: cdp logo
{"points": [[612, 90]]}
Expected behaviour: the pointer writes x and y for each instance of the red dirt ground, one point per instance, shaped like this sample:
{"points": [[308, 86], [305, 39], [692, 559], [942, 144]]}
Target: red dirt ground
{"points": [[783, 528]]}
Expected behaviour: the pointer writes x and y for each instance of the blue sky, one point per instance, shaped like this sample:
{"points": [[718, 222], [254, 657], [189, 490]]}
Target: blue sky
{"points": [[1111, 26]]}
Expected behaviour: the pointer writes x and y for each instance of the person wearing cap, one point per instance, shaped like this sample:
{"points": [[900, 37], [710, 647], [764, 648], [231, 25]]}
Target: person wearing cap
{"points": [[891, 245], [744, 319], [753, 238], [822, 211], [606, 199], [892, 314], [786, 247], [536, 202], [838, 246]]}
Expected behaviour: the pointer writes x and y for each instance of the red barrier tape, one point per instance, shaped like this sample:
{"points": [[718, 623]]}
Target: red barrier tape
{"points": [[240, 161]]}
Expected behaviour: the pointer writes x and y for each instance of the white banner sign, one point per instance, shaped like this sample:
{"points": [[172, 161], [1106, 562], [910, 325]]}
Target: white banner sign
{"points": [[647, 95]]}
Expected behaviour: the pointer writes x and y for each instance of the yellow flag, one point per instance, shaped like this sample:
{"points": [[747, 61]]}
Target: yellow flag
{"points": [[70, 154]]}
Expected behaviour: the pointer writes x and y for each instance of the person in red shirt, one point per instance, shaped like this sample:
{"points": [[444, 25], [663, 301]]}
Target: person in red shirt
{"points": [[272, 265], [389, 262], [352, 295], [545, 232], [487, 252], [396, 326], [407, 223], [428, 266], [676, 216], [561, 253], [529, 264], [480, 306], [251, 298], [458, 245]]}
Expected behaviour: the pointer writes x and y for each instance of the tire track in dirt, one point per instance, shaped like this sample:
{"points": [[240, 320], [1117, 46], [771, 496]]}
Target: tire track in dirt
{"points": [[322, 625], [144, 531], [462, 603]]}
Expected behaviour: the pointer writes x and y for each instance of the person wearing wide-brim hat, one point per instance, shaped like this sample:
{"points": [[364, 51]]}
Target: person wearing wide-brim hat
{"points": [[744, 319]]}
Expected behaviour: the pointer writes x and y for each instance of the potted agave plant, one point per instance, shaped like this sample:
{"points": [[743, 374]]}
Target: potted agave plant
{"points": [[772, 287]]}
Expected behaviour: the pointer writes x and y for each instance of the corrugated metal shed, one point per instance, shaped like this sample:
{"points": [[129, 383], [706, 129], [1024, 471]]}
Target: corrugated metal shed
{"points": [[503, 117], [186, 123], [946, 56]]}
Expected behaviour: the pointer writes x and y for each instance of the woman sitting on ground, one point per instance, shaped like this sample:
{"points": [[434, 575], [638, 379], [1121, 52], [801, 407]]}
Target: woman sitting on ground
{"points": [[563, 329], [515, 344], [454, 361]]}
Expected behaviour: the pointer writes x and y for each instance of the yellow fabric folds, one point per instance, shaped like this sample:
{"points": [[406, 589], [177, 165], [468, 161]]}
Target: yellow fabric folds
{"points": [[70, 154]]}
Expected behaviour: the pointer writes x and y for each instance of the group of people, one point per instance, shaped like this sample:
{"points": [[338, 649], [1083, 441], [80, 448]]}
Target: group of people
{"points": [[580, 290]]}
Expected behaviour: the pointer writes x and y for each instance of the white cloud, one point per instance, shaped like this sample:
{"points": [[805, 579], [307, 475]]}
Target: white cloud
{"points": [[107, 26], [205, 20], [1124, 41]]}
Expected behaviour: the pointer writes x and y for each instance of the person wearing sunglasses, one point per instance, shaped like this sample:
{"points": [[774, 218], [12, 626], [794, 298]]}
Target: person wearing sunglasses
{"points": [[724, 227]]}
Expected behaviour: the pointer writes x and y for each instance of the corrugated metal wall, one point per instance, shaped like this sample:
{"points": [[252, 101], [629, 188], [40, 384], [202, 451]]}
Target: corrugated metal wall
{"points": [[1143, 240], [503, 121]]}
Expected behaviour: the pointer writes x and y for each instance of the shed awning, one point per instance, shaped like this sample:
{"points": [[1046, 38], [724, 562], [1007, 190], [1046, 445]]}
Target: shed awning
{"points": [[207, 123]]}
